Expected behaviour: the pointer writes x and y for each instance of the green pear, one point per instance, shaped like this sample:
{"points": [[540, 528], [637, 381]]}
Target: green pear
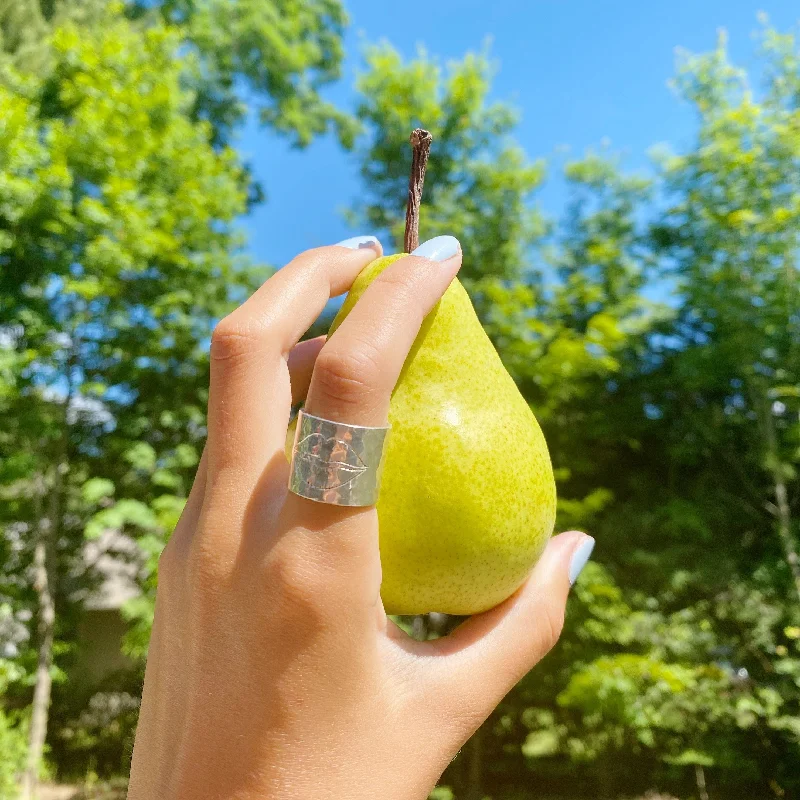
{"points": [[467, 500]]}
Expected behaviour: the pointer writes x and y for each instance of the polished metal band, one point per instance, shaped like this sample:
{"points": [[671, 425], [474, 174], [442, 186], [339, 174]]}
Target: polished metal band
{"points": [[336, 463]]}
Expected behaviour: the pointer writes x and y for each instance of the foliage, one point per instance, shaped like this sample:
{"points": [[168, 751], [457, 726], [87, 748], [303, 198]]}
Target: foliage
{"points": [[733, 238], [12, 755], [98, 738], [118, 255], [13, 731], [698, 435], [281, 53], [479, 183], [25, 25]]}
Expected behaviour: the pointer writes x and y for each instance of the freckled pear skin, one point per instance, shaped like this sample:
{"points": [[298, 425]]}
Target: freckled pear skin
{"points": [[467, 500]]}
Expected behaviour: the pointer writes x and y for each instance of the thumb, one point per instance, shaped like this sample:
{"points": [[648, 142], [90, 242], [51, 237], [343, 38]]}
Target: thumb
{"points": [[486, 656]]}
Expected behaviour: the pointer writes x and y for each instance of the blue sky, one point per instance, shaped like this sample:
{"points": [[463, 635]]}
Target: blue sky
{"points": [[581, 72]]}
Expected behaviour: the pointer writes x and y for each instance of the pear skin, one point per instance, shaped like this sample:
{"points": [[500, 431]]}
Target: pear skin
{"points": [[467, 500]]}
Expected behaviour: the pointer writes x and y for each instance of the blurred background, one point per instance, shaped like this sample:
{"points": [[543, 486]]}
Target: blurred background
{"points": [[624, 178]]}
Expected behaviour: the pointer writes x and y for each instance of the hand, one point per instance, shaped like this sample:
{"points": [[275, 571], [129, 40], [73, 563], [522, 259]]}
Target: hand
{"points": [[273, 670]]}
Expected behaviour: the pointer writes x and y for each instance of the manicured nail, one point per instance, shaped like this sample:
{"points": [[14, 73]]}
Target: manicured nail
{"points": [[440, 248], [357, 242], [579, 559]]}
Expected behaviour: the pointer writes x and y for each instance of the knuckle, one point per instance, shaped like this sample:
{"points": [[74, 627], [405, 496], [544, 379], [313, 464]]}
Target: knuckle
{"points": [[345, 377], [318, 255], [229, 339], [171, 569], [299, 588], [168, 561], [316, 261], [211, 556], [399, 281], [234, 338]]}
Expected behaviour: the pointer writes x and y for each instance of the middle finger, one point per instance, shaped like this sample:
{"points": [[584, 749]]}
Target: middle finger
{"points": [[356, 371], [353, 379]]}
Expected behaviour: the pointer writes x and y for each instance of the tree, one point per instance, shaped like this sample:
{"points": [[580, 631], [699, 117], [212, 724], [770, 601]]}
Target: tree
{"points": [[118, 254], [281, 52], [479, 183], [25, 25], [692, 669], [734, 236], [569, 343], [273, 55]]}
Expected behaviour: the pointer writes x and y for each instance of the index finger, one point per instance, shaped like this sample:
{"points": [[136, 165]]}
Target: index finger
{"points": [[250, 394]]}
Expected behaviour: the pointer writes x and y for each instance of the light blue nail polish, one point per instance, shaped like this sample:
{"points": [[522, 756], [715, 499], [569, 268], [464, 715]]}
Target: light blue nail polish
{"points": [[440, 248], [579, 559], [357, 242]]}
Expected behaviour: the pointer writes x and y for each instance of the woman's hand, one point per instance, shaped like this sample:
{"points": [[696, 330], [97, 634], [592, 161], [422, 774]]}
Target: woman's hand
{"points": [[273, 670]]}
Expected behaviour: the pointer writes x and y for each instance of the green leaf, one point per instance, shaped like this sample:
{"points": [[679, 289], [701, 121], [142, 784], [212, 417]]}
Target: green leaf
{"points": [[96, 489], [123, 513], [141, 456], [540, 744], [691, 757], [167, 479]]}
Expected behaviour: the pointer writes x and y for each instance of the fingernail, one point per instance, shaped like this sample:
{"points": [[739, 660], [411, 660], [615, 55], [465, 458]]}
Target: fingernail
{"points": [[440, 248], [579, 559], [357, 242]]}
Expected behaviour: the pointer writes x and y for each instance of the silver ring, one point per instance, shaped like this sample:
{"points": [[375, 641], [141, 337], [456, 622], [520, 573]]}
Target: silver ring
{"points": [[336, 463]]}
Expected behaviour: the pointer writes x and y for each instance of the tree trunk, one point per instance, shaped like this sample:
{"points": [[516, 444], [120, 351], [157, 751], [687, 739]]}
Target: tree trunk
{"points": [[474, 748], [700, 780], [780, 508], [419, 628], [785, 532], [44, 585]]}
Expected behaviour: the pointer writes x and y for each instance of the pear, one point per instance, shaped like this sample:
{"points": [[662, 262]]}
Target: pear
{"points": [[467, 499]]}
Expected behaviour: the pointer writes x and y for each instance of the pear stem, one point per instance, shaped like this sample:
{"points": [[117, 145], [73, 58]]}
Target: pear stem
{"points": [[420, 147]]}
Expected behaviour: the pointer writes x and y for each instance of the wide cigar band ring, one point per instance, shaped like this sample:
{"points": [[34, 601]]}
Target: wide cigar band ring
{"points": [[336, 463]]}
